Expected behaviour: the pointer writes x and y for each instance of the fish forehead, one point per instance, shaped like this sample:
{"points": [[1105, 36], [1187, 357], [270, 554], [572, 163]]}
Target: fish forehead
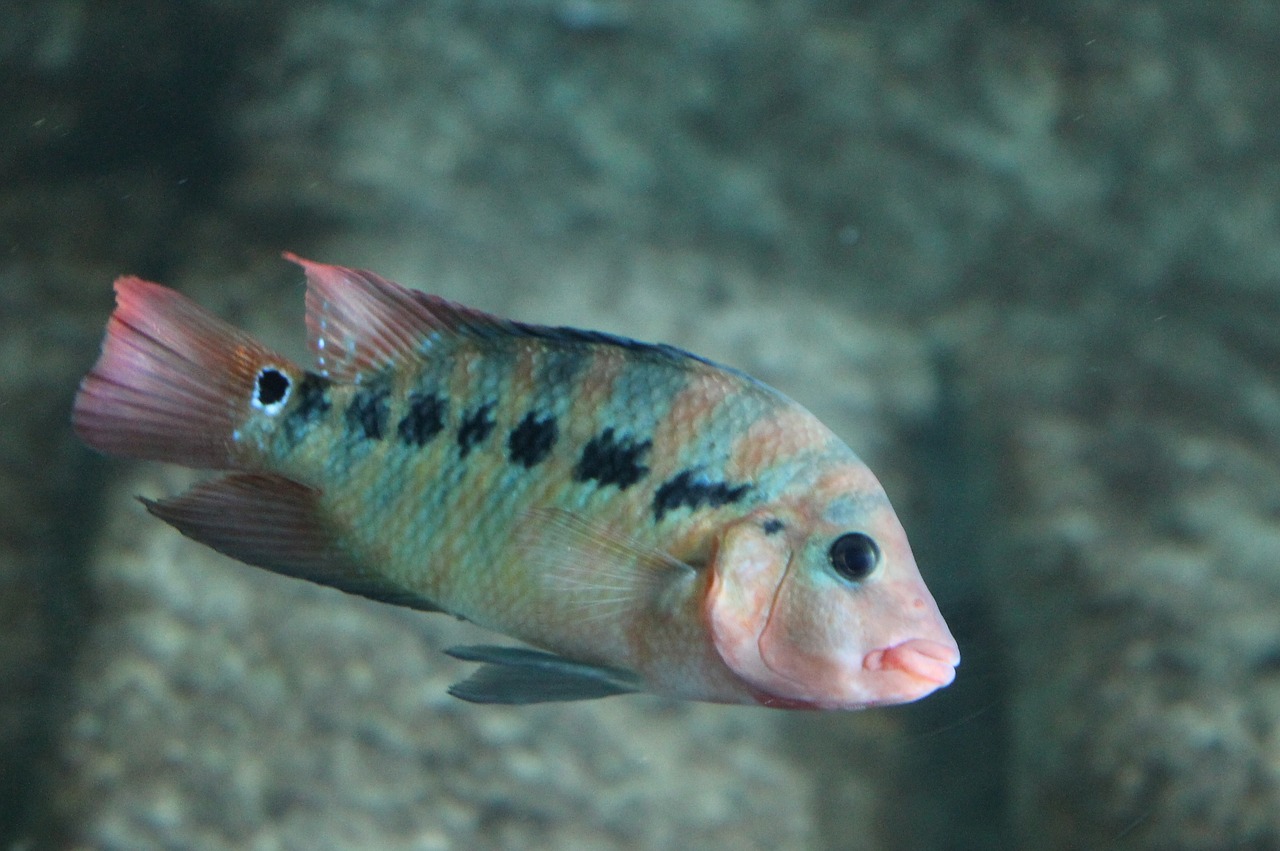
{"points": [[790, 453]]}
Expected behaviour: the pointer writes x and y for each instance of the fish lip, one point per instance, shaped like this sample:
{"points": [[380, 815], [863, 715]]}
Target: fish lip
{"points": [[904, 673], [921, 666], [922, 659]]}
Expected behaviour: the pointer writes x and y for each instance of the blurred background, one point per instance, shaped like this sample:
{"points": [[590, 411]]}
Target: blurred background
{"points": [[1023, 256]]}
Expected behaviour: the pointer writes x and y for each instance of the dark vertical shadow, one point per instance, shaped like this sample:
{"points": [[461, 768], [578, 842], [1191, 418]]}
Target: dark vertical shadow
{"points": [[956, 766], [140, 107], [941, 763], [55, 585]]}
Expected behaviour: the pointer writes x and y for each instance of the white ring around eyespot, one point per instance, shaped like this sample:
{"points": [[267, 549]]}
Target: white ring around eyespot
{"points": [[275, 407]]}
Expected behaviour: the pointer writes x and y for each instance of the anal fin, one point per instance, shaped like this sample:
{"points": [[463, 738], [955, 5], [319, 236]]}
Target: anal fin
{"points": [[275, 523], [518, 675]]}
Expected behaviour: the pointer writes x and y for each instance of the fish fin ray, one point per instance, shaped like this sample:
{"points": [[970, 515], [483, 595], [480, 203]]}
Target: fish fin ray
{"points": [[172, 382], [275, 523], [590, 565], [519, 675], [359, 322]]}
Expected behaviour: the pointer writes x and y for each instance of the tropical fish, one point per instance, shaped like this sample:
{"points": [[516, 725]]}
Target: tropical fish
{"points": [[649, 520]]}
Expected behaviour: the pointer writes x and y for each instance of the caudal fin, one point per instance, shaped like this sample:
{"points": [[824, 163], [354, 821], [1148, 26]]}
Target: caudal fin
{"points": [[173, 381]]}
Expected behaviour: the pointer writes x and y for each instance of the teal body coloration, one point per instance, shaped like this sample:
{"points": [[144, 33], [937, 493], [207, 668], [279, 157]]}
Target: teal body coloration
{"points": [[650, 519]]}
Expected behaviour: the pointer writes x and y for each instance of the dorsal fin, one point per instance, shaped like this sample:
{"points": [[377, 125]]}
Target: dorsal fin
{"points": [[359, 322]]}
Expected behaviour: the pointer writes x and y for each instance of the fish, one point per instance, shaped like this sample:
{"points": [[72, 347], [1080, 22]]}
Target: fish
{"points": [[639, 518]]}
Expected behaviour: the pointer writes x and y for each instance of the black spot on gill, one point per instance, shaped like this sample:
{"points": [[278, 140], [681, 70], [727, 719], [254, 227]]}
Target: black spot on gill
{"points": [[424, 419], [687, 490], [313, 404], [272, 386], [367, 414], [610, 460], [475, 428], [531, 441], [773, 526]]}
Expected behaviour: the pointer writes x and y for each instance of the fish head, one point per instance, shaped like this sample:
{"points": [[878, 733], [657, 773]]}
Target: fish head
{"points": [[819, 603]]}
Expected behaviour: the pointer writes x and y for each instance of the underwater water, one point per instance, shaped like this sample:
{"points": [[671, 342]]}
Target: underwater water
{"points": [[1023, 257]]}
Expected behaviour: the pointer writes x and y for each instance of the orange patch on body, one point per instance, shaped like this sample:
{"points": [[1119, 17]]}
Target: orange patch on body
{"points": [[696, 403], [522, 374], [594, 387], [782, 433]]}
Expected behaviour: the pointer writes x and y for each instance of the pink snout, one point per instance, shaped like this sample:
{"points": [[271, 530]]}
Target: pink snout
{"points": [[931, 661]]}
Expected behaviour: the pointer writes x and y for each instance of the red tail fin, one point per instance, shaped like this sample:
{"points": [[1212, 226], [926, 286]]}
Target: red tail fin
{"points": [[173, 381]]}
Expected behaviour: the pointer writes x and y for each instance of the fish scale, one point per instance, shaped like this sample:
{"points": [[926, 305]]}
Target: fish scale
{"points": [[639, 392], [649, 519]]}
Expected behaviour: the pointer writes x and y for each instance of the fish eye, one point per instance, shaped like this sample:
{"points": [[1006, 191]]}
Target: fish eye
{"points": [[853, 556]]}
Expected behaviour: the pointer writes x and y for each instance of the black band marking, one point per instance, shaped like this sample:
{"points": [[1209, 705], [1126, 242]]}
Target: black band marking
{"points": [[687, 489], [367, 414], [475, 428], [313, 404], [612, 461], [531, 441], [424, 419]]}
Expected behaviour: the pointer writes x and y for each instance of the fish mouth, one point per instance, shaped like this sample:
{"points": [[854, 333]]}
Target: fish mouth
{"points": [[930, 662], [901, 673]]}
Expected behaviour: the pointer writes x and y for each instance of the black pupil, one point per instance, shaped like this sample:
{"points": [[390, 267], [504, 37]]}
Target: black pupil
{"points": [[854, 556], [272, 385]]}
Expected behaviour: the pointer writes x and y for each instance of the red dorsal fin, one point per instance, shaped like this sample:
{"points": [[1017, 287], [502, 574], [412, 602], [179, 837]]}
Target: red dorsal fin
{"points": [[359, 322], [276, 523]]}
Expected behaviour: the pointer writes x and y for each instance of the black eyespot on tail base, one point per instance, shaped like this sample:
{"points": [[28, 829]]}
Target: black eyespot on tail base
{"points": [[272, 387]]}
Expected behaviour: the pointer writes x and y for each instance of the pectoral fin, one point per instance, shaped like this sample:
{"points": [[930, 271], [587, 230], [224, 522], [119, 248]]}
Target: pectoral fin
{"points": [[597, 572], [516, 675]]}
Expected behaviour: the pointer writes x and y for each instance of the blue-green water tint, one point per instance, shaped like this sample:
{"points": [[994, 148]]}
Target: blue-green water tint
{"points": [[1074, 202]]}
